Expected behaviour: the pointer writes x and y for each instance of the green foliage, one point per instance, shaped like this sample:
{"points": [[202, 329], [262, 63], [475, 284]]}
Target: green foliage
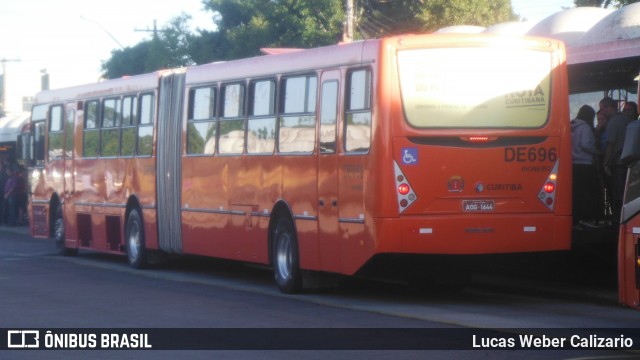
{"points": [[381, 17], [615, 4], [169, 47], [251, 25], [128, 61], [245, 26], [442, 13]]}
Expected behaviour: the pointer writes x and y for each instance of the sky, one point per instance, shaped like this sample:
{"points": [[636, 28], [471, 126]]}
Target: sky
{"points": [[71, 38]]}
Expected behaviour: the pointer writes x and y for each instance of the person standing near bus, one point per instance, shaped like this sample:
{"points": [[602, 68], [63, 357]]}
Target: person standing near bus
{"points": [[583, 153], [616, 129], [11, 195], [3, 204], [605, 181], [22, 199], [630, 109]]}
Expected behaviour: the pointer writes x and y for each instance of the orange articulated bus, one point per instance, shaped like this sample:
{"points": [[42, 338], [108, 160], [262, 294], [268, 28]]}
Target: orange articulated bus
{"points": [[323, 159]]}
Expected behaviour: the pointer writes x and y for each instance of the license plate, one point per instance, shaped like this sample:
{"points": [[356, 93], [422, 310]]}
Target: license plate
{"points": [[478, 205]]}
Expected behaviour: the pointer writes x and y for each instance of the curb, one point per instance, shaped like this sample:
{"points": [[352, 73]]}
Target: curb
{"points": [[18, 230]]}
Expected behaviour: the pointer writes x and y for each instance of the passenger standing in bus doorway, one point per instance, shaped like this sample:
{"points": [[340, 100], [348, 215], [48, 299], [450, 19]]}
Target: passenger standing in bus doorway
{"points": [[630, 110], [616, 129], [605, 181], [601, 132], [585, 176]]}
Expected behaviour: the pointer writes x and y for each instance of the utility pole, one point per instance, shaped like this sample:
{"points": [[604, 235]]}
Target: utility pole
{"points": [[347, 33], [154, 30], [4, 81]]}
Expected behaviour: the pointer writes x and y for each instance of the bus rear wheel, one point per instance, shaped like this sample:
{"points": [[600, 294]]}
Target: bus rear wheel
{"points": [[57, 233], [286, 265], [134, 235]]}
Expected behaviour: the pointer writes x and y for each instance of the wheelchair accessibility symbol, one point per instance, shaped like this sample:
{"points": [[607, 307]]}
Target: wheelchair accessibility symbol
{"points": [[409, 156]]}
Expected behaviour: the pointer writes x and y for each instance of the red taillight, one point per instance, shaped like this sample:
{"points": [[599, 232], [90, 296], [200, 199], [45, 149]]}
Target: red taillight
{"points": [[477, 139], [403, 189], [405, 194], [547, 193]]}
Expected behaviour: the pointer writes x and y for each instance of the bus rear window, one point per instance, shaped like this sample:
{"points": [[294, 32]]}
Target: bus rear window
{"points": [[475, 87]]}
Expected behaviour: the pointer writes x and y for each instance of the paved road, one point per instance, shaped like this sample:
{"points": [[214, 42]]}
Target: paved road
{"points": [[40, 290]]}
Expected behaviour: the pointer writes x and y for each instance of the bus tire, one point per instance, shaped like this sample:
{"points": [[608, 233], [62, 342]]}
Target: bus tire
{"points": [[57, 233], [135, 242], [286, 263]]}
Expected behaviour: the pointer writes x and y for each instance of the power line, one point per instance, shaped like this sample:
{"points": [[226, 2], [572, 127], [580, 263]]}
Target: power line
{"points": [[103, 29]]}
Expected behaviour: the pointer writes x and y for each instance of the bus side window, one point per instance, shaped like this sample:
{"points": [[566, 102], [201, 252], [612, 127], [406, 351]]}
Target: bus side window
{"points": [[91, 133], [201, 122], [68, 133], [110, 132], [328, 117], [129, 124], [56, 136], [297, 131], [261, 126], [38, 118], [358, 114], [145, 129], [231, 136]]}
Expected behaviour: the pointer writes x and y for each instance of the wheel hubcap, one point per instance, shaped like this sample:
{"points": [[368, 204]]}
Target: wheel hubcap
{"points": [[134, 241], [59, 232], [283, 258]]}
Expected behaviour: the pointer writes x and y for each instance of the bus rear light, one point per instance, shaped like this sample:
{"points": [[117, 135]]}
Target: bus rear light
{"points": [[405, 194], [547, 193], [549, 187], [478, 139]]}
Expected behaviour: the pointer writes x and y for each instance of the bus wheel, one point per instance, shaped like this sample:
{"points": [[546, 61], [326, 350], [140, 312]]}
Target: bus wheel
{"points": [[57, 234], [134, 235], [286, 267]]}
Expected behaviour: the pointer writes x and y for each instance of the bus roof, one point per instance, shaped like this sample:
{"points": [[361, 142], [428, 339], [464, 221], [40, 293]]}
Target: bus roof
{"points": [[360, 52], [127, 84], [11, 125]]}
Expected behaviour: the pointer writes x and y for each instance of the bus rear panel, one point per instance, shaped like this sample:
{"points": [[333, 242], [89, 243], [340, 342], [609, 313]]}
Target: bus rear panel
{"points": [[481, 148]]}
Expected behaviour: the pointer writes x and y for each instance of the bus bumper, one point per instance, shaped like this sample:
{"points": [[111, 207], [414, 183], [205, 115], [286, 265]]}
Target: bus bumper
{"points": [[477, 234]]}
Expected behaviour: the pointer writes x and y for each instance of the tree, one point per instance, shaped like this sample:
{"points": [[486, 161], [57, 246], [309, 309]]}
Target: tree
{"points": [[127, 61], [209, 46], [384, 17], [605, 3], [169, 47], [245, 26], [251, 25]]}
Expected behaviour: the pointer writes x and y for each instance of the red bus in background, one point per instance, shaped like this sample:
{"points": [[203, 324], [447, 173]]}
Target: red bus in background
{"points": [[326, 159], [629, 231]]}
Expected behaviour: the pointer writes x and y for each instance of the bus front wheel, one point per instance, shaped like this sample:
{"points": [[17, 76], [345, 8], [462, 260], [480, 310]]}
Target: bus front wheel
{"points": [[134, 235], [57, 233], [286, 266]]}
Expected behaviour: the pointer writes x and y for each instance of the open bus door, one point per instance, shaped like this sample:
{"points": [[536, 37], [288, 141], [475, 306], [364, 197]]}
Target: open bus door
{"points": [[24, 149], [629, 236]]}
